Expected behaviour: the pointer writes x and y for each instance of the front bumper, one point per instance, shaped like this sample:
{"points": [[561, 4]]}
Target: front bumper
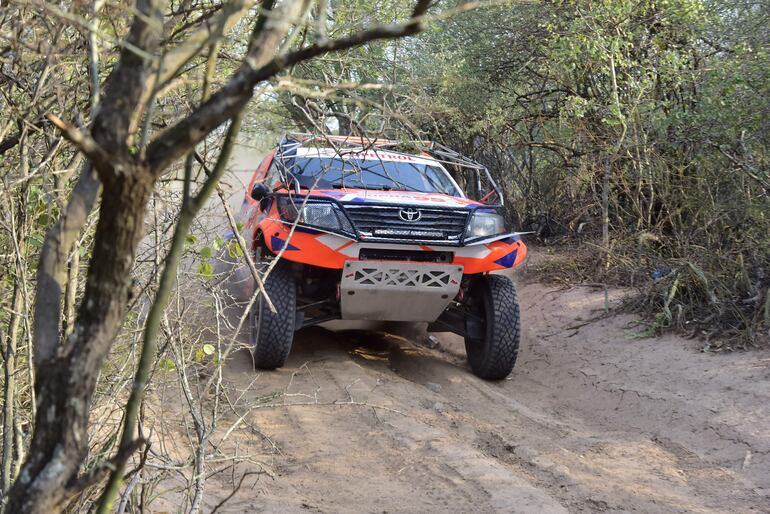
{"points": [[327, 250]]}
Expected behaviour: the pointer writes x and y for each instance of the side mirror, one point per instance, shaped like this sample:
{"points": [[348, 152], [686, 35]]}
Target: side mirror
{"points": [[259, 191]]}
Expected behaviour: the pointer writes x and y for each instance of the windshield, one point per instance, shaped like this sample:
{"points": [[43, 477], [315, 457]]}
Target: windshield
{"points": [[372, 174]]}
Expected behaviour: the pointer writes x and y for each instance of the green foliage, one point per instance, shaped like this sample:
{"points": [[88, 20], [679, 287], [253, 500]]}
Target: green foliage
{"points": [[671, 94], [205, 269], [166, 364], [207, 350]]}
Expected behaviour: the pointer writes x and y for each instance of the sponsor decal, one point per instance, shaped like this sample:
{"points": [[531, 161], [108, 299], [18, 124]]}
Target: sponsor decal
{"points": [[366, 155], [426, 234], [277, 244], [363, 196], [508, 260]]}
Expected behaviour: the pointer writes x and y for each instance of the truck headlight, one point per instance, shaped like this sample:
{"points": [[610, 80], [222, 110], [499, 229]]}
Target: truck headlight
{"points": [[314, 213], [485, 224]]}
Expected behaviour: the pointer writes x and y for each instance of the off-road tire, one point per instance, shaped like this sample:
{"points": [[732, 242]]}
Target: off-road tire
{"points": [[272, 334], [495, 299]]}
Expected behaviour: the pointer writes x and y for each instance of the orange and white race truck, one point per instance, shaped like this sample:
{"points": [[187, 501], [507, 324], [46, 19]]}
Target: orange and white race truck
{"points": [[372, 229]]}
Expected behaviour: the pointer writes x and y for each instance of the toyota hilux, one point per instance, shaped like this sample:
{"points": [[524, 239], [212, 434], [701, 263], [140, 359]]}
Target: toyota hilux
{"points": [[372, 229]]}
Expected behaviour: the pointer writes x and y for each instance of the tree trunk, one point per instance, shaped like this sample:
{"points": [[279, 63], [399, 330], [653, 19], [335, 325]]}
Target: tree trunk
{"points": [[60, 441], [18, 222], [9, 390]]}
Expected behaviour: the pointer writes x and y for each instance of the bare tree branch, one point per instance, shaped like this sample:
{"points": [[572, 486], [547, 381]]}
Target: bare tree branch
{"points": [[11, 141], [175, 59], [176, 141], [126, 84], [84, 142], [52, 265]]}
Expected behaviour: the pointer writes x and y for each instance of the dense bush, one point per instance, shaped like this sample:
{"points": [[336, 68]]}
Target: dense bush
{"points": [[653, 113]]}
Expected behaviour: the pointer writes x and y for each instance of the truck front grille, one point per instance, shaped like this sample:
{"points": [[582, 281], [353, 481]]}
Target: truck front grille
{"points": [[389, 223]]}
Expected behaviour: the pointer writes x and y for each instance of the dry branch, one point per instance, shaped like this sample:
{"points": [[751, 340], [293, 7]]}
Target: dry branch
{"points": [[84, 142]]}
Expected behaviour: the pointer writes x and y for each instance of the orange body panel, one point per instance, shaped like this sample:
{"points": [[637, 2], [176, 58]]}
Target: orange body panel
{"points": [[331, 250]]}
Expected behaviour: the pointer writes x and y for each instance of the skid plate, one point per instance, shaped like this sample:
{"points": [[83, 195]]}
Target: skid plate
{"points": [[397, 291]]}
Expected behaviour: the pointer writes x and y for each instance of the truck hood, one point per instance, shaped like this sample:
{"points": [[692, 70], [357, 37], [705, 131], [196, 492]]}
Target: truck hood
{"points": [[396, 197]]}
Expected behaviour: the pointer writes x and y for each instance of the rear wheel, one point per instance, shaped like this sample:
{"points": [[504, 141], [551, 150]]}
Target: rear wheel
{"points": [[273, 333], [492, 327]]}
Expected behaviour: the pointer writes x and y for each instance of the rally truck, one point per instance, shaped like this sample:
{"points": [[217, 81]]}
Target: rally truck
{"points": [[371, 229]]}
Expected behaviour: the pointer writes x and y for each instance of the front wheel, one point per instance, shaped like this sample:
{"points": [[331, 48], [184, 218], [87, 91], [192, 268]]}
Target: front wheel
{"points": [[273, 333], [492, 327]]}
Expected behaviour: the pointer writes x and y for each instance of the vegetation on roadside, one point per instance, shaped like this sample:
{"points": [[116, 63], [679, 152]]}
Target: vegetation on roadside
{"points": [[639, 129], [650, 119]]}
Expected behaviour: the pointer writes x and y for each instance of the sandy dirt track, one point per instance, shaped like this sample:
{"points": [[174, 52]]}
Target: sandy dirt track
{"points": [[369, 418]]}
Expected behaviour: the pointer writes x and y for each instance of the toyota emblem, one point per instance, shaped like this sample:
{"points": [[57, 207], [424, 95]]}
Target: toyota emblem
{"points": [[409, 214]]}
